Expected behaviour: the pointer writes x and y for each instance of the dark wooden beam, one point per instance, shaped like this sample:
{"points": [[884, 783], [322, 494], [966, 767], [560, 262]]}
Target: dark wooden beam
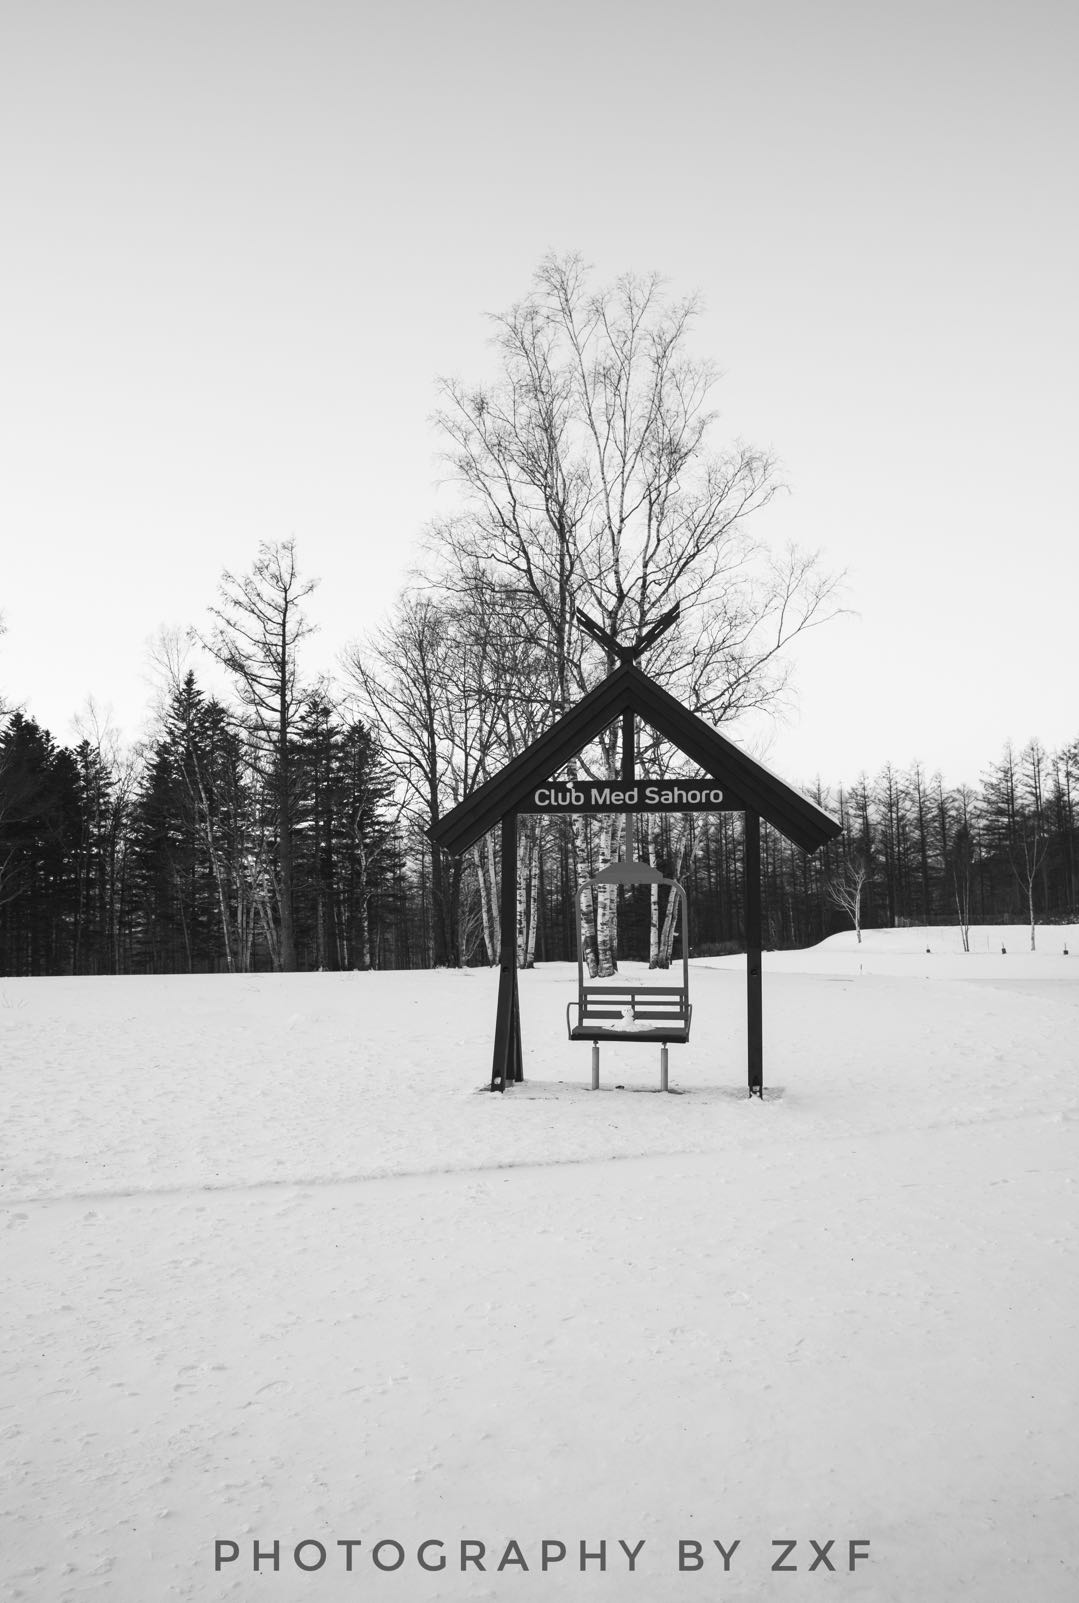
{"points": [[506, 1066], [754, 1008]]}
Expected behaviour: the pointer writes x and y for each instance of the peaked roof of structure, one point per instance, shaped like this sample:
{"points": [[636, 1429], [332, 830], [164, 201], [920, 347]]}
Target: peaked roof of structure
{"points": [[628, 688]]}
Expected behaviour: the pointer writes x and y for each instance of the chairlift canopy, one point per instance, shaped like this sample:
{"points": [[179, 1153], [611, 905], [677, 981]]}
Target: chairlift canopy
{"points": [[748, 785], [630, 873]]}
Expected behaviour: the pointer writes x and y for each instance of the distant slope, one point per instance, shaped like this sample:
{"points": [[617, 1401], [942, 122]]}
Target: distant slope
{"points": [[996, 950]]}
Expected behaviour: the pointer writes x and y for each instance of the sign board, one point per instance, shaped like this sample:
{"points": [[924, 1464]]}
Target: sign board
{"points": [[642, 796]]}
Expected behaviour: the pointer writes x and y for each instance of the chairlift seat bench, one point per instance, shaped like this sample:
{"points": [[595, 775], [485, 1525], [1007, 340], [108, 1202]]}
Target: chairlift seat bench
{"points": [[627, 1012], [656, 1013]]}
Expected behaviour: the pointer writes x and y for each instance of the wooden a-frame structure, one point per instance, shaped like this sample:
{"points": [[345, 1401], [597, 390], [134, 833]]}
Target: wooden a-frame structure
{"points": [[748, 786]]}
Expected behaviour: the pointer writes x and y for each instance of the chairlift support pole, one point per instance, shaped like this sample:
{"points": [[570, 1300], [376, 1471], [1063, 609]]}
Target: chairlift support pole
{"points": [[754, 1011]]}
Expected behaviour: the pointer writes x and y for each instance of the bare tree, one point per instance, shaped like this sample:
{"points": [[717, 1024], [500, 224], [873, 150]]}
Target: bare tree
{"points": [[844, 886], [960, 857], [427, 683], [258, 627], [588, 478], [168, 655], [1027, 856], [1030, 851]]}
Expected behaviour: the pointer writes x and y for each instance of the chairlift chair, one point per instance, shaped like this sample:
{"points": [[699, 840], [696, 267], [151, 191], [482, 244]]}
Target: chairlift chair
{"points": [[631, 1012]]}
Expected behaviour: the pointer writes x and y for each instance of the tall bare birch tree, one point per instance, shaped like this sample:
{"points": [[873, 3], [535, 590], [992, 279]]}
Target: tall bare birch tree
{"points": [[258, 627], [588, 477], [429, 681]]}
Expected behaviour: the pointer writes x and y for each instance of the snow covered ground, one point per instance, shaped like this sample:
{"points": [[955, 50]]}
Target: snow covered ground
{"points": [[278, 1269]]}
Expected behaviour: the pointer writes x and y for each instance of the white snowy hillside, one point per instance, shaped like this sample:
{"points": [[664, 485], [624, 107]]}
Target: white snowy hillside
{"points": [[279, 1270]]}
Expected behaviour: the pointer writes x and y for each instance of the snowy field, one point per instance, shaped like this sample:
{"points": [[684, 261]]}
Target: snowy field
{"points": [[278, 1269]]}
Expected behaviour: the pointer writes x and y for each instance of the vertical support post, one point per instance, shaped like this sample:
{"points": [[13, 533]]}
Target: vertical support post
{"points": [[506, 1067], [663, 1066], [754, 1019], [595, 1065]]}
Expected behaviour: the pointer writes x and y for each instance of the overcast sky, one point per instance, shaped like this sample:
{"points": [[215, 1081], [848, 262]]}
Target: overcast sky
{"points": [[241, 239]]}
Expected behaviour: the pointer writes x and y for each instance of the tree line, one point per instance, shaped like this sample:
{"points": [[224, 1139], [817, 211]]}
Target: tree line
{"points": [[170, 861], [284, 826]]}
